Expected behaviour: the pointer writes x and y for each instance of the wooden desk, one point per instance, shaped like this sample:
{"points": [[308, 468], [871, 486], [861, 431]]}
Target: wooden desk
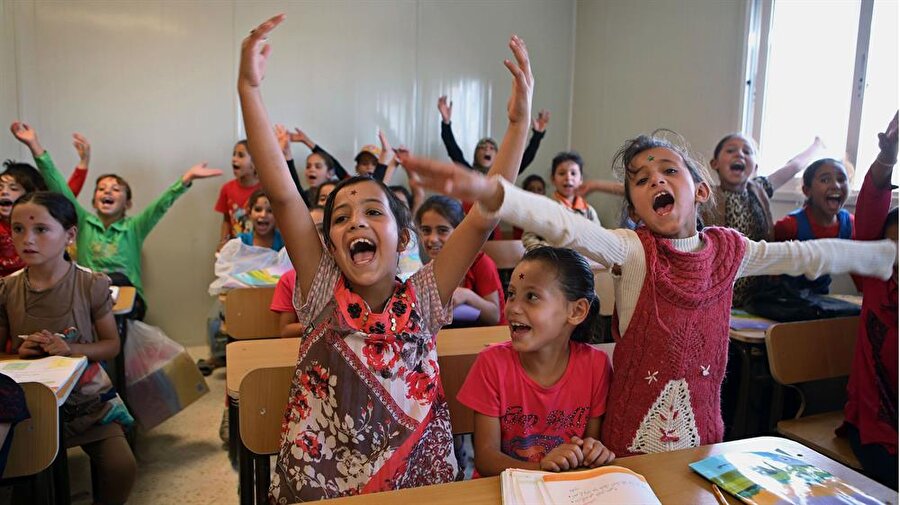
{"points": [[667, 473], [125, 302], [38, 442]]}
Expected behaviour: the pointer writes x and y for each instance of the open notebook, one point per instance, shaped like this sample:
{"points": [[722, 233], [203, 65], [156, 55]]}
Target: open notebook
{"points": [[52, 371], [772, 478], [608, 484]]}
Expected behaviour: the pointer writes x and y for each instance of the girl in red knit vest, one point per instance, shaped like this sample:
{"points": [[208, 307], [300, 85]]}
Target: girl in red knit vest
{"points": [[672, 283]]}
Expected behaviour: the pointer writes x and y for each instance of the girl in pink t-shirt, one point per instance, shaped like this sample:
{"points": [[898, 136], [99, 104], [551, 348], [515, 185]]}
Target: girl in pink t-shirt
{"points": [[538, 400]]}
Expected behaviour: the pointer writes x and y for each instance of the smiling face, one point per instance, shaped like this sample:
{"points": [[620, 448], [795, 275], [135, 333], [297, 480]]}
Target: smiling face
{"points": [[485, 154], [434, 230], [735, 163], [241, 163], [537, 309], [262, 218], [364, 236], [38, 238], [828, 190], [317, 170], [663, 193], [567, 178], [10, 191], [111, 198]]}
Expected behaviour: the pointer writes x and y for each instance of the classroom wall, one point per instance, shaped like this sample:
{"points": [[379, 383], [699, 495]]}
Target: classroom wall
{"points": [[647, 64], [152, 85]]}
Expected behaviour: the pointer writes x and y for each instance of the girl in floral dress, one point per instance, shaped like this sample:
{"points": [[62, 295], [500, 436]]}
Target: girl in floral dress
{"points": [[367, 410]]}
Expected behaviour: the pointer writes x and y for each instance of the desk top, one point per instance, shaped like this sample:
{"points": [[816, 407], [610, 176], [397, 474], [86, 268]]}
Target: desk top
{"points": [[759, 336], [62, 392], [125, 301], [244, 356], [667, 473]]}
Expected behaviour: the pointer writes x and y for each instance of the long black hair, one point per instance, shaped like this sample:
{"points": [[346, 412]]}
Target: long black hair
{"points": [[576, 281]]}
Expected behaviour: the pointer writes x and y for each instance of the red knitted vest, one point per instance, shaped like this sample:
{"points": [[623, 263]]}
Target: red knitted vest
{"points": [[669, 364]]}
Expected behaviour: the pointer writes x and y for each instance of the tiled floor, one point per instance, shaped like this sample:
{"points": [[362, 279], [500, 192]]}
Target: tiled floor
{"points": [[181, 461]]}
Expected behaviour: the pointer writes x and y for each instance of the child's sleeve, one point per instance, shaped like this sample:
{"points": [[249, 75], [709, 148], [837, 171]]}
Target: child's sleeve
{"points": [[814, 258], [872, 207], [531, 149], [487, 279], [284, 291], [222, 202], [532, 241], [56, 182], [481, 389], [602, 374], [101, 297], [428, 299], [321, 291], [785, 229], [145, 221], [453, 150], [561, 227], [76, 180]]}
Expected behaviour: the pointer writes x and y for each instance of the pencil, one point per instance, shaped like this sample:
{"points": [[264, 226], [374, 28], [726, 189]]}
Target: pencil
{"points": [[720, 498]]}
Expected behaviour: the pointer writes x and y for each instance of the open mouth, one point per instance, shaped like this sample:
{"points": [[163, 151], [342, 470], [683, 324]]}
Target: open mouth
{"points": [[107, 200], [834, 200], [488, 157], [737, 166], [362, 251], [6, 202], [262, 224], [235, 167], [663, 203], [518, 330]]}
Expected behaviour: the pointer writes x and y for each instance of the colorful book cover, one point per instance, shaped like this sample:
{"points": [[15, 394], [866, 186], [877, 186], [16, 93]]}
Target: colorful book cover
{"points": [[770, 478]]}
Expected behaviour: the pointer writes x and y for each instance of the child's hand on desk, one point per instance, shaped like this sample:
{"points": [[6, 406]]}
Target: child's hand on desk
{"points": [[33, 345], [199, 171], [595, 453], [55, 345], [563, 457]]}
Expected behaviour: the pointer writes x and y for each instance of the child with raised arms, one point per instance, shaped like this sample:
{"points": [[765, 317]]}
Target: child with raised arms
{"points": [[871, 410], [673, 286], [110, 241], [366, 410], [64, 309], [538, 400]]}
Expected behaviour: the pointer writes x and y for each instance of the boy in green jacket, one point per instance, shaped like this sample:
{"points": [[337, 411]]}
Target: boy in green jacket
{"points": [[110, 241]]}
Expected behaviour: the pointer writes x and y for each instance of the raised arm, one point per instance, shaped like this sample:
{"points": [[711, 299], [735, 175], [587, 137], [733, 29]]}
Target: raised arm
{"points": [[150, 216], [291, 214], [874, 200], [387, 160], [470, 235], [445, 107], [814, 258], [598, 186], [796, 164], [299, 135], [538, 129], [83, 148]]}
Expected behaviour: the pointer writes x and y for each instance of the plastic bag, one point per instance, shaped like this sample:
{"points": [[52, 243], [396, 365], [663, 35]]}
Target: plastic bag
{"points": [[161, 377], [240, 266]]}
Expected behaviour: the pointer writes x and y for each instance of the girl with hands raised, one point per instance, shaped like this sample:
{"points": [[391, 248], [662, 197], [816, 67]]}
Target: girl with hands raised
{"points": [[366, 410]]}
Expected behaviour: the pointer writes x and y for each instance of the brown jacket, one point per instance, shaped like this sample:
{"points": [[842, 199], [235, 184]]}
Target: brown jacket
{"points": [[715, 215]]}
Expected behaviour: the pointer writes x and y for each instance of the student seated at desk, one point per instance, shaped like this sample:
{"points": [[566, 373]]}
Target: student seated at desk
{"points": [[263, 231], [480, 291], [539, 399], [64, 309]]}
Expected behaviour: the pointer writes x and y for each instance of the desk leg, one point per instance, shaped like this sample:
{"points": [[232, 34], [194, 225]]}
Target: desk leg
{"points": [[739, 426], [263, 477], [245, 474], [233, 431], [61, 491]]}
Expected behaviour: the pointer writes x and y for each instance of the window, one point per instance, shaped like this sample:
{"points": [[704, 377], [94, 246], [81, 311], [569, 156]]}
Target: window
{"points": [[826, 69]]}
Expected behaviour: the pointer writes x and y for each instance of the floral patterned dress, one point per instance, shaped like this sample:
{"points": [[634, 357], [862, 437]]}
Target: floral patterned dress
{"points": [[367, 411]]}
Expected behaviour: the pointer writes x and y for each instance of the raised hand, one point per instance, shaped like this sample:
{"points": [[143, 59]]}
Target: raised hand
{"points": [[887, 142], [387, 152], [255, 52], [299, 136], [26, 135], [447, 178], [284, 140], [199, 171], [83, 148], [445, 107], [540, 124], [519, 106]]}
